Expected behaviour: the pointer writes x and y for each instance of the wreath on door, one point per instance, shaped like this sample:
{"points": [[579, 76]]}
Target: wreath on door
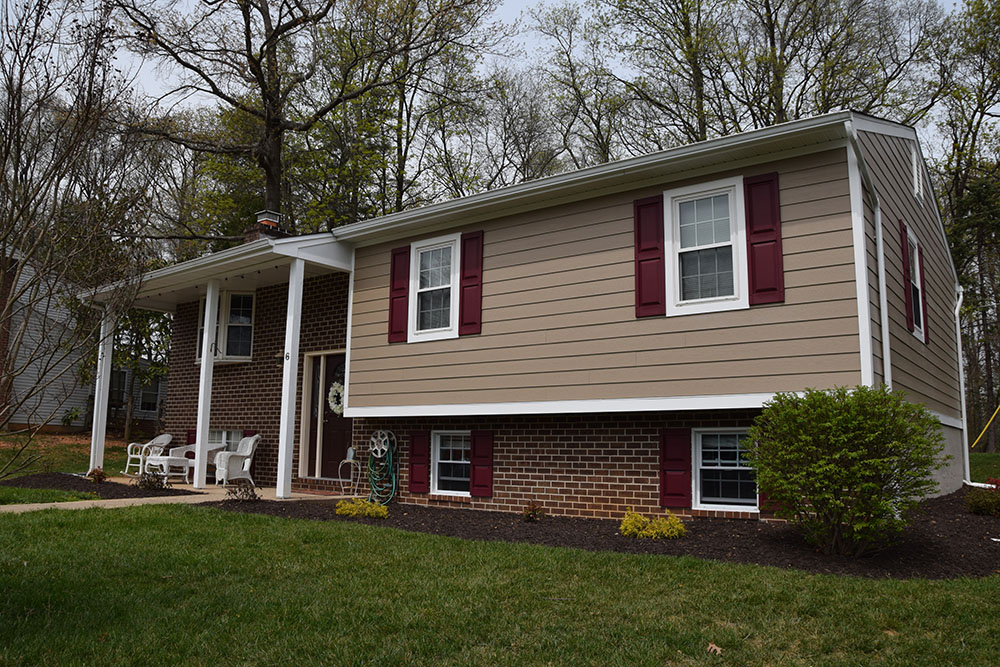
{"points": [[336, 398]]}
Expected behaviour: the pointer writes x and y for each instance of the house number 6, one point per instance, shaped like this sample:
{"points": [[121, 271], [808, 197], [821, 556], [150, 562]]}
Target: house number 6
{"points": [[287, 356]]}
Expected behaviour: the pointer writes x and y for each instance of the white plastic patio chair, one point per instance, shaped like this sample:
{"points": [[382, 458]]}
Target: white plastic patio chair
{"points": [[230, 466], [138, 451]]}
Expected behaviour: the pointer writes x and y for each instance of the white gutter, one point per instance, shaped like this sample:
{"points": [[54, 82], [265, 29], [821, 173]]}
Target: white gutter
{"points": [[960, 292], [883, 301]]}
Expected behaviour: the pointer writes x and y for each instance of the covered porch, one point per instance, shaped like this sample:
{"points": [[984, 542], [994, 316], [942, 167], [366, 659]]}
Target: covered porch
{"points": [[239, 294]]}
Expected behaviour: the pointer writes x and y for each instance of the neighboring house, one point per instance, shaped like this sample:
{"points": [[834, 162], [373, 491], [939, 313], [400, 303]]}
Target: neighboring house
{"points": [[46, 389], [591, 341]]}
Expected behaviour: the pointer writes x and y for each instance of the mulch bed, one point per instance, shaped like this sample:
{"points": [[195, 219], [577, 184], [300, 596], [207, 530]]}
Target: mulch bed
{"points": [[107, 490], [943, 541]]}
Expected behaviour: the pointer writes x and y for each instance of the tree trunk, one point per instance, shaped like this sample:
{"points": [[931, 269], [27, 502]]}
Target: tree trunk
{"points": [[129, 407], [270, 162]]}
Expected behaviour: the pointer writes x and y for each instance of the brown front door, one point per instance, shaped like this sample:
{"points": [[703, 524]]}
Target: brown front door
{"points": [[329, 434]]}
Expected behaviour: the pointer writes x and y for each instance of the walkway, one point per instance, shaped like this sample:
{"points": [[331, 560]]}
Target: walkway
{"points": [[207, 495]]}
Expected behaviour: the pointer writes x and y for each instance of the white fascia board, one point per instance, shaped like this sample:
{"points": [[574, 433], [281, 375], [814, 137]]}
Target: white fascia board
{"points": [[583, 182], [715, 402], [319, 249], [861, 269]]}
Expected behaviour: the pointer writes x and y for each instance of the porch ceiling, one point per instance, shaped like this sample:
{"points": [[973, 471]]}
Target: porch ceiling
{"points": [[246, 267]]}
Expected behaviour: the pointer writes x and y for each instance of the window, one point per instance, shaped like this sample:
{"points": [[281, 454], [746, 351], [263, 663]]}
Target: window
{"points": [[224, 438], [451, 453], [723, 480], [434, 289], [234, 328], [116, 394], [915, 280], [149, 400], [705, 236]]}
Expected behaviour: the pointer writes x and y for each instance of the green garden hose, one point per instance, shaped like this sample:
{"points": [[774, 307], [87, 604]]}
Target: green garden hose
{"points": [[382, 467]]}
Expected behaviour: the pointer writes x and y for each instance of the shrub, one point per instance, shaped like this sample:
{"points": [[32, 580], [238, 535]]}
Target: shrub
{"points": [[150, 481], [846, 465], [362, 507], [97, 475], [636, 525], [242, 493], [533, 512], [984, 501]]}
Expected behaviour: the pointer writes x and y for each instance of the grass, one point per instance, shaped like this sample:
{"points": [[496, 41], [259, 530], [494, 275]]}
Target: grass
{"points": [[12, 495], [64, 453], [179, 584], [982, 466]]}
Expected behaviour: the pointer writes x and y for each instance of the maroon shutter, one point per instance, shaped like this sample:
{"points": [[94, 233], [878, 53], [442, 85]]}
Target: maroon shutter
{"points": [[192, 438], [650, 264], [420, 462], [675, 467], [763, 212], [904, 242], [399, 294], [481, 470], [248, 432], [470, 285], [923, 296]]}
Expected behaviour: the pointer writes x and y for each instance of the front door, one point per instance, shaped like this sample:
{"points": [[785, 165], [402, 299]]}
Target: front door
{"points": [[329, 433]]}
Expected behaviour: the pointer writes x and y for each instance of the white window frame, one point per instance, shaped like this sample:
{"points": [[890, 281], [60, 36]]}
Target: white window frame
{"points": [[696, 502], [435, 455], [222, 327], [224, 437], [740, 299], [913, 254], [451, 331]]}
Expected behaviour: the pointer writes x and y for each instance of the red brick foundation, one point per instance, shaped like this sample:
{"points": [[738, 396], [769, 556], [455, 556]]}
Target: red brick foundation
{"points": [[573, 465]]}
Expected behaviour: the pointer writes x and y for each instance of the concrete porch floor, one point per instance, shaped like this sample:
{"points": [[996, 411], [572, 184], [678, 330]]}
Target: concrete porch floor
{"points": [[210, 494]]}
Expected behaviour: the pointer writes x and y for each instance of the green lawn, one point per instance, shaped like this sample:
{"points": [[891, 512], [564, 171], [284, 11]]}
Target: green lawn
{"points": [[178, 584], [11, 495], [983, 466], [64, 453]]}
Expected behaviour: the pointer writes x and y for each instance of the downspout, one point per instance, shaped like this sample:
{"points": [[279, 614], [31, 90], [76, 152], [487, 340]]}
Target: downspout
{"points": [[960, 292], [883, 305]]}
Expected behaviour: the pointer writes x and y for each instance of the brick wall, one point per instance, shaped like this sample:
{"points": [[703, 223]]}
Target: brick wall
{"points": [[247, 395], [591, 465]]}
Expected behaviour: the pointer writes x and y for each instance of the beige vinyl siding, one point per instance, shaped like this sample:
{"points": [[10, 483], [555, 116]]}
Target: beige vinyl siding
{"points": [[559, 311], [928, 373]]}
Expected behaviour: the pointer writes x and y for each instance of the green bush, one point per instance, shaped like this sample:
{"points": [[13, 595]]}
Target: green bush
{"points": [[362, 507], [637, 525], [984, 501], [845, 464]]}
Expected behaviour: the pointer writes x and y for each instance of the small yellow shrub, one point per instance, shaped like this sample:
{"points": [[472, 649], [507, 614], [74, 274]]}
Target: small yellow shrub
{"points": [[636, 525], [362, 507]]}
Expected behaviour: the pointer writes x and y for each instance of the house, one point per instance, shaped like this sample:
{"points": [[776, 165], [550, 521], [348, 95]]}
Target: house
{"points": [[592, 340], [41, 355]]}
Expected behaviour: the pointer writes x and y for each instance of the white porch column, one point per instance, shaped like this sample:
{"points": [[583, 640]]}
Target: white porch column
{"points": [[290, 377], [102, 386], [205, 383]]}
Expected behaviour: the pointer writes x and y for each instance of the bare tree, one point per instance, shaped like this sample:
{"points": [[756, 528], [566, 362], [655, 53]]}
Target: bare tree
{"points": [[256, 57], [68, 183]]}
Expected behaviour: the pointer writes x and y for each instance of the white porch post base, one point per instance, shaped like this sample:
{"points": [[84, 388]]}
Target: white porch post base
{"points": [[290, 377], [102, 387], [205, 383]]}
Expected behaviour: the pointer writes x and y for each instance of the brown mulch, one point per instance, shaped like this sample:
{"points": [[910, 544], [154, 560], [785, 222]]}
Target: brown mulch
{"points": [[107, 490], [943, 540]]}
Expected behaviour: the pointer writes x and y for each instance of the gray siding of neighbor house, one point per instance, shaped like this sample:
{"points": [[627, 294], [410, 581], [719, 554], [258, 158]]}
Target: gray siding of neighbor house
{"points": [[927, 372], [559, 317]]}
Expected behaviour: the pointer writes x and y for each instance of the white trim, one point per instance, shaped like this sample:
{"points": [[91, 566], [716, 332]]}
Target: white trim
{"points": [[861, 270], [347, 333], [695, 467], [222, 327], [435, 446], [740, 299], [720, 401], [307, 397], [414, 335], [916, 173], [953, 422], [102, 386]]}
